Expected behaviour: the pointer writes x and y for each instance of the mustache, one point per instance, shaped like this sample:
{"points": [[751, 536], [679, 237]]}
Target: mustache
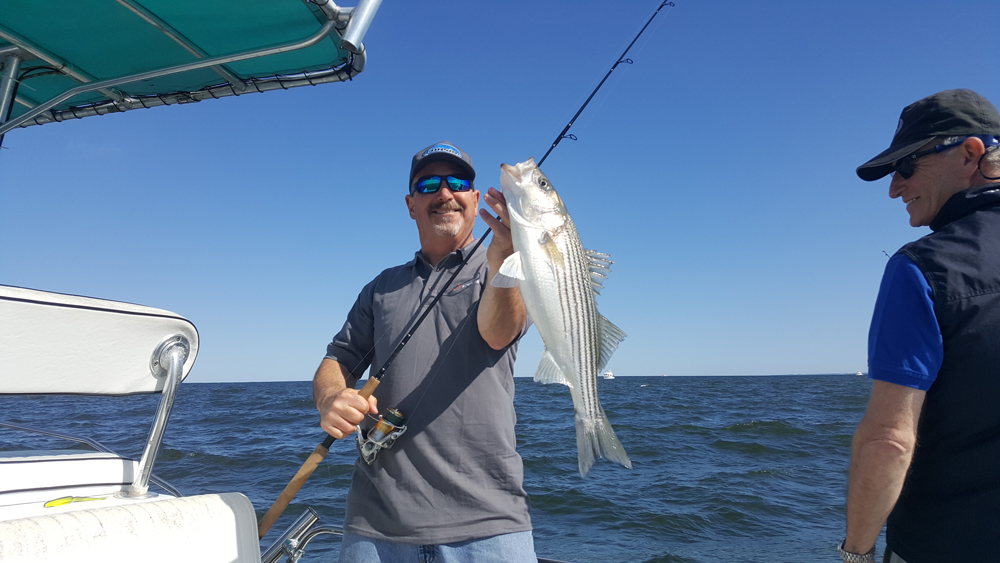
{"points": [[447, 206]]}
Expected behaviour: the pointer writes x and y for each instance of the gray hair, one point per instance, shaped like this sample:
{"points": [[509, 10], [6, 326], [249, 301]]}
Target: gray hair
{"points": [[991, 159]]}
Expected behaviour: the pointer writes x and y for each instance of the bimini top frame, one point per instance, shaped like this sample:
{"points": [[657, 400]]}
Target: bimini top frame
{"points": [[95, 57]]}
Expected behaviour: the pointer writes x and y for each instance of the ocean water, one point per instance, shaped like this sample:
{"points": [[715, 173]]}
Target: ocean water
{"points": [[724, 468]]}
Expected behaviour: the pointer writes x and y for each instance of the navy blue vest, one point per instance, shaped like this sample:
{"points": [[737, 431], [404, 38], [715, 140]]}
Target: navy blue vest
{"points": [[949, 509]]}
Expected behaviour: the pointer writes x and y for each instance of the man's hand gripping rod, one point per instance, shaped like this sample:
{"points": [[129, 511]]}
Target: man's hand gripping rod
{"points": [[317, 456]]}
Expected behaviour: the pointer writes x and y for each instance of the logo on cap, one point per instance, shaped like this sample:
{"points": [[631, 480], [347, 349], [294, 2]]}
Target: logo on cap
{"points": [[442, 148]]}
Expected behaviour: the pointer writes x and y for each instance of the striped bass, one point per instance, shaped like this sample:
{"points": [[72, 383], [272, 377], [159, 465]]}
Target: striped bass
{"points": [[558, 280]]}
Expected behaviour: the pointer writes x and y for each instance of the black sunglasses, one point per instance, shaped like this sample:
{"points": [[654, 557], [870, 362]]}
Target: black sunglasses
{"points": [[431, 184]]}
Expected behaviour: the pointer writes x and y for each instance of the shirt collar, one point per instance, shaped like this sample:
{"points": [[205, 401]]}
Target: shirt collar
{"points": [[965, 202], [453, 259]]}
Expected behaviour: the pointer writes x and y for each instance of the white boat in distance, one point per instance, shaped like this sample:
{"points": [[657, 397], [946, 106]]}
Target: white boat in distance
{"points": [[608, 374]]}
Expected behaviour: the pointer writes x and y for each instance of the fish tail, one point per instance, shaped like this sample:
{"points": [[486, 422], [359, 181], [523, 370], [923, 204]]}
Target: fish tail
{"points": [[596, 439]]}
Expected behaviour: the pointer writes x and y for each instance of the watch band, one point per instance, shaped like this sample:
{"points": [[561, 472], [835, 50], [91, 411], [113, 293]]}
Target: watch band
{"points": [[849, 557]]}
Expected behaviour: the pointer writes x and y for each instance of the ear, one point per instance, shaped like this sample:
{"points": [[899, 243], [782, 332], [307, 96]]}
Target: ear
{"points": [[409, 205], [971, 151]]}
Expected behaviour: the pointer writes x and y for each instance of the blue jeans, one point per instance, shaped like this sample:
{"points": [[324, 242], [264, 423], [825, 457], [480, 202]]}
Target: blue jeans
{"points": [[518, 547]]}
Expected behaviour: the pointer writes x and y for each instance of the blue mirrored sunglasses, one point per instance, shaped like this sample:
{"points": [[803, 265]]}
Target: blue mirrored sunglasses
{"points": [[431, 184]]}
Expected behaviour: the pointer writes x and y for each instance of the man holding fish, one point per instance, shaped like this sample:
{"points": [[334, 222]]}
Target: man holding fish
{"points": [[452, 485]]}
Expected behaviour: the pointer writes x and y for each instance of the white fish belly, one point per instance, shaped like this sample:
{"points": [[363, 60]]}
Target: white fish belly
{"points": [[561, 302]]}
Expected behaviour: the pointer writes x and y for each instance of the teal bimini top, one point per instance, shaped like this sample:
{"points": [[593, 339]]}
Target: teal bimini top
{"points": [[144, 53]]}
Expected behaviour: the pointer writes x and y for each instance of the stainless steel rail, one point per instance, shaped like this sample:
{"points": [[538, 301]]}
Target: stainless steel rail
{"points": [[175, 36], [281, 546], [8, 80], [94, 444], [253, 85], [361, 19], [168, 359], [323, 32]]}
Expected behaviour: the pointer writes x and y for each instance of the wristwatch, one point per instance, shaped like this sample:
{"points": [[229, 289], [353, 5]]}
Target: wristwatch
{"points": [[849, 557]]}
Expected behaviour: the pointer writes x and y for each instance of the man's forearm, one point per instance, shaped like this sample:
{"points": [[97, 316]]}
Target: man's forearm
{"points": [[501, 315], [331, 378], [878, 469], [880, 457]]}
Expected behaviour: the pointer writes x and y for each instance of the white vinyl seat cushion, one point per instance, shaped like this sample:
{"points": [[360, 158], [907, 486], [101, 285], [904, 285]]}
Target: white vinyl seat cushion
{"points": [[206, 528]]}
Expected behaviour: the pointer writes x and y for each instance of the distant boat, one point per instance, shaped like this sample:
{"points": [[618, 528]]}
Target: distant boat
{"points": [[608, 374], [859, 373]]}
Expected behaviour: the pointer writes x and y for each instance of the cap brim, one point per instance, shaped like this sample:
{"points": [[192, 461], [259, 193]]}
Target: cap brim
{"points": [[881, 165]]}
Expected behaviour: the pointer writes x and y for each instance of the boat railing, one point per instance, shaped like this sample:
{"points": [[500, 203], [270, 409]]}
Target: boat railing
{"points": [[358, 20], [159, 482], [293, 542], [167, 361]]}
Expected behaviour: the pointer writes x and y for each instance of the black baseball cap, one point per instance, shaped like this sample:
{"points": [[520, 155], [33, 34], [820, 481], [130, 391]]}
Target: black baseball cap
{"points": [[442, 151], [945, 114]]}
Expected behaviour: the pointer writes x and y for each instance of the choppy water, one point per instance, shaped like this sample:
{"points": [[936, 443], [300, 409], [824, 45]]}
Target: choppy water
{"points": [[724, 468]]}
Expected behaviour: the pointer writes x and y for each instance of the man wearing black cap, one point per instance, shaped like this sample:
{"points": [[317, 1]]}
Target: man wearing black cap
{"points": [[926, 456], [450, 488]]}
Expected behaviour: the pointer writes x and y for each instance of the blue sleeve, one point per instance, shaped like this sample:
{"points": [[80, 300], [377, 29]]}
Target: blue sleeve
{"points": [[904, 343]]}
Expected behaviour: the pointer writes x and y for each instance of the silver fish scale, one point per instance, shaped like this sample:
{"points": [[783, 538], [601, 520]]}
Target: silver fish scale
{"points": [[579, 310], [559, 281]]}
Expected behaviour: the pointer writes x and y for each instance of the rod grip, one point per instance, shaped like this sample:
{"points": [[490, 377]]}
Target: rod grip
{"points": [[310, 465], [286, 496], [369, 388]]}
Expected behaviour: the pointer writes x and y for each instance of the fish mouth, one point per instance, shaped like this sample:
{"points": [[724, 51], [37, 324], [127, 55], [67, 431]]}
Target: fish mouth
{"points": [[514, 172], [510, 178]]}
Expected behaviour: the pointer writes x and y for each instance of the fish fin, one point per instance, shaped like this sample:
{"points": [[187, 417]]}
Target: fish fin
{"points": [[611, 337], [548, 243], [599, 262], [549, 372], [515, 217], [597, 282], [510, 272], [596, 439], [600, 267]]}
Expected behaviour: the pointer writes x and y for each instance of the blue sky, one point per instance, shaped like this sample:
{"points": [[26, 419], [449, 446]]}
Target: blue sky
{"points": [[717, 170]]}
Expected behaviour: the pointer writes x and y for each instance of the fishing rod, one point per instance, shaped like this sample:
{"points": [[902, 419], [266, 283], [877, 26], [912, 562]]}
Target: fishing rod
{"points": [[621, 59], [318, 454]]}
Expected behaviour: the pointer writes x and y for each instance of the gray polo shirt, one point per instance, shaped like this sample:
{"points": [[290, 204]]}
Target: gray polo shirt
{"points": [[455, 474]]}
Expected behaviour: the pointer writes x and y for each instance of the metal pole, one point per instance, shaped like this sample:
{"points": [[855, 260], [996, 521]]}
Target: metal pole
{"points": [[361, 19], [308, 42], [8, 85], [168, 358]]}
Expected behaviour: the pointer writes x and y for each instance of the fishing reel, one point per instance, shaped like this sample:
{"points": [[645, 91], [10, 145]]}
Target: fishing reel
{"points": [[383, 436]]}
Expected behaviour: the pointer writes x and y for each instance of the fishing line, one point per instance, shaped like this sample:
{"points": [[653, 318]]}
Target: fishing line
{"points": [[562, 135], [420, 307], [601, 101], [320, 452]]}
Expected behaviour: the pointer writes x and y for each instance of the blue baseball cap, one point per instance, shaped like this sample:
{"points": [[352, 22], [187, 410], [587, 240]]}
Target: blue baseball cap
{"points": [[442, 151]]}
